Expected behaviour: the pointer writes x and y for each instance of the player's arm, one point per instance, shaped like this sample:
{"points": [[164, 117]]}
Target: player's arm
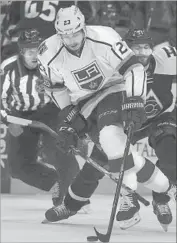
{"points": [[54, 85], [126, 63], [165, 67], [165, 58], [52, 78]]}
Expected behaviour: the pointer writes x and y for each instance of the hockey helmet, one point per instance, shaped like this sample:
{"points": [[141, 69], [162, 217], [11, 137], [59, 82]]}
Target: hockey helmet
{"points": [[69, 20], [29, 39], [138, 36]]}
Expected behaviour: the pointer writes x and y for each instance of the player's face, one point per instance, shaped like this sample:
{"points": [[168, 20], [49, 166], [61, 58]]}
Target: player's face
{"points": [[30, 57], [73, 41], [143, 52]]}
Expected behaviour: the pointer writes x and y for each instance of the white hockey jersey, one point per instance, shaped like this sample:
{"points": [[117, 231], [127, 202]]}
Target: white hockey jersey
{"points": [[105, 62]]}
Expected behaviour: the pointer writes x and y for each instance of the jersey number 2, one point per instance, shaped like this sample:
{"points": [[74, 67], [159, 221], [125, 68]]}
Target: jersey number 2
{"points": [[122, 48]]}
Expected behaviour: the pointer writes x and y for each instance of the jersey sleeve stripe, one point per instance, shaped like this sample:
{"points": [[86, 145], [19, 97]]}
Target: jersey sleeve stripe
{"points": [[51, 60], [129, 62], [133, 82], [143, 88], [6, 91], [49, 74]]}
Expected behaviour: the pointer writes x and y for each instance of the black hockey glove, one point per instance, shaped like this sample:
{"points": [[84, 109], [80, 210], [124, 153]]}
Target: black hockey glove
{"points": [[72, 126], [67, 138], [133, 111]]}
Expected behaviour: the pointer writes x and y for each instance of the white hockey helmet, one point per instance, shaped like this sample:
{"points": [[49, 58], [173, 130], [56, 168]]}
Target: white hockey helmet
{"points": [[69, 20]]}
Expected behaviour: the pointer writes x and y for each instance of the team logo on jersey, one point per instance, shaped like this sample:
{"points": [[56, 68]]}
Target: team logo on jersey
{"points": [[42, 48], [89, 77], [153, 105]]}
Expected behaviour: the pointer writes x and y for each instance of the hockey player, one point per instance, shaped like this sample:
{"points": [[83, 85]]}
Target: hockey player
{"points": [[91, 67], [160, 127], [19, 98], [22, 15]]}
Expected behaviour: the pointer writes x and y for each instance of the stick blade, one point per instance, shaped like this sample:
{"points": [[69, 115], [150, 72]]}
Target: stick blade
{"points": [[102, 237]]}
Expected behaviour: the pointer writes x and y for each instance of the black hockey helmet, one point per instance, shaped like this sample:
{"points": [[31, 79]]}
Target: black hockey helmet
{"points": [[29, 38], [138, 36]]}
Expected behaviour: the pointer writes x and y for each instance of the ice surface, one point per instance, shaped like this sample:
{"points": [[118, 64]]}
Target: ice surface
{"points": [[21, 217]]}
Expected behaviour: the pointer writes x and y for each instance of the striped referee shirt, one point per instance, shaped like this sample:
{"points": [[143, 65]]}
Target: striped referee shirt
{"points": [[18, 86]]}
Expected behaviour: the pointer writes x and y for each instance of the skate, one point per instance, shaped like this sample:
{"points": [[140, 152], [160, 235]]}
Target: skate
{"points": [[163, 213], [128, 214], [58, 213]]}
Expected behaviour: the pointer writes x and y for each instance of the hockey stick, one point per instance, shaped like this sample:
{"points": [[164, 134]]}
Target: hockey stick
{"points": [[29, 123], [151, 10], [110, 176], [44, 127], [5, 22], [106, 237]]}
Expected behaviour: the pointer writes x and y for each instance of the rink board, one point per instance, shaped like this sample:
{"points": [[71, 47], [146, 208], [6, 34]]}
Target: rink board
{"points": [[105, 187]]}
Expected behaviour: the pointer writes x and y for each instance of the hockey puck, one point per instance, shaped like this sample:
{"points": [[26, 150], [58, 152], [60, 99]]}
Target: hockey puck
{"points": [[92, 238]]}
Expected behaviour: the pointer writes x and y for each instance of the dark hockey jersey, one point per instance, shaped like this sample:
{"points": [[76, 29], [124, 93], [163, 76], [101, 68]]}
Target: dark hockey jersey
{"points": [[160, 76]]}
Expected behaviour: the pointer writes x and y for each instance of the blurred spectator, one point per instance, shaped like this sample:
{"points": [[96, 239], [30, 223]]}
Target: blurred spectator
{"points": [[116, 14], [159, 17], [108, 14], [170, 16]]}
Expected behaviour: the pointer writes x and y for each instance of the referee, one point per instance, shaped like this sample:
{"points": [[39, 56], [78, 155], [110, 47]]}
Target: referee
{"points": [[20, 98]]}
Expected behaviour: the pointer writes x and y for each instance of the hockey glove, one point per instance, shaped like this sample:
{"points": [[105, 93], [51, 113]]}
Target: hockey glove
{"points": [[133, 111], [4, 117], [72, 127], [71, 115], [67, 138], [14, 129]]}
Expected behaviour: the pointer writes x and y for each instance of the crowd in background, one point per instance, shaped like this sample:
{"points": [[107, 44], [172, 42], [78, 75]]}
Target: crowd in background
{"points": [[159, 17]]}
